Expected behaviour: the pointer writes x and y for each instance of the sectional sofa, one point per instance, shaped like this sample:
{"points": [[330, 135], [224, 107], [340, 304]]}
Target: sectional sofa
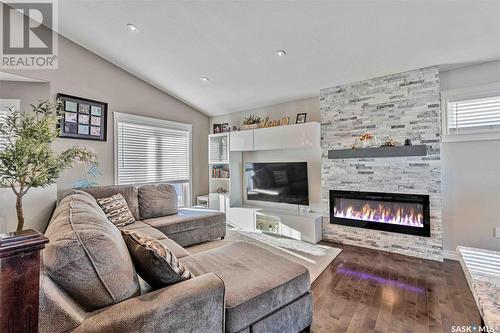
{"points": [[89, 283]]}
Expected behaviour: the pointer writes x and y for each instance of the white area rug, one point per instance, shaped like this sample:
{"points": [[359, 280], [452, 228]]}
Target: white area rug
{"points": [[314, 257]]}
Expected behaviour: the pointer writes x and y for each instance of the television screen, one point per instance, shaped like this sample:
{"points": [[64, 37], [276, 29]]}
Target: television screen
{"points": [[284, 182]]}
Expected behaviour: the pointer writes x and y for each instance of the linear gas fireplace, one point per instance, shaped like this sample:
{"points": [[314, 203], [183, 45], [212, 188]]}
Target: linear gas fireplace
{"points": [[393, 212]]}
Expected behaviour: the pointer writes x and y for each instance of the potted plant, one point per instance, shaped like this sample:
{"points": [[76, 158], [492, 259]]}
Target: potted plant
{"points": [[251, 122], [27, 159]]}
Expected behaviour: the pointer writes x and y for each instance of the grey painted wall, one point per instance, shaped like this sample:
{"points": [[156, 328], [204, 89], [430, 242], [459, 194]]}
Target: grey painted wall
{"points": [[82, 73], [27, 92], [471, 174]]}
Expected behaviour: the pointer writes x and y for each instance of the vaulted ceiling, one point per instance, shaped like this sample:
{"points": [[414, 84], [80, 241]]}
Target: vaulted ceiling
{"points": [[234, 43]]}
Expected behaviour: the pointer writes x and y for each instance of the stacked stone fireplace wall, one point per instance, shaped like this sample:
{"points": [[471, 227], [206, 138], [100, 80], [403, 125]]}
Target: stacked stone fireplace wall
{"points": [[400, 106]]}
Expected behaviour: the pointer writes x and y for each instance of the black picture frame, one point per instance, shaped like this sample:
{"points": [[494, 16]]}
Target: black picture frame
{"points": [[217, 128], [299, 119], [82, 118]]}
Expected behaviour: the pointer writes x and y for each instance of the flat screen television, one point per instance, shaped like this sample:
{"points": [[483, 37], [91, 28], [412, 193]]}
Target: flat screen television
{"points": [[284, 182]]}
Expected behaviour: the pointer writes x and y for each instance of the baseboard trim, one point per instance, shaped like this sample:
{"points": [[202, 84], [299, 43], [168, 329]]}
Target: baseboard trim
{"points": [[451, 255]]}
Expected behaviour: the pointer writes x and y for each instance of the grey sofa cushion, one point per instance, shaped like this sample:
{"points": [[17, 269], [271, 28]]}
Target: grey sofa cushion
{"points": [[157, 200], [86, 255], [187, 219], [257, 282], [129, 192], [155, 262]]}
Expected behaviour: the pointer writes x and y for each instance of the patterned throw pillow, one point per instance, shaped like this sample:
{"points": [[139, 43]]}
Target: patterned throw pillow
{"points": [[154, 262], [116, 209]]}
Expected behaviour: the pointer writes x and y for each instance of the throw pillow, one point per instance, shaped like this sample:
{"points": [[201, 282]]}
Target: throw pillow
{"points": [[116, 209], [154, 262]]}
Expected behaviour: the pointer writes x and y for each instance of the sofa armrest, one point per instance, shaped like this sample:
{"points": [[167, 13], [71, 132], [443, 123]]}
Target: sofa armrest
{"points": [[194, 305]]}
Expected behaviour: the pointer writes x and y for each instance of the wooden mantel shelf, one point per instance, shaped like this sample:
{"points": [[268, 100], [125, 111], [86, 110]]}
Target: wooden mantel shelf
{"points": [[398, 151]]}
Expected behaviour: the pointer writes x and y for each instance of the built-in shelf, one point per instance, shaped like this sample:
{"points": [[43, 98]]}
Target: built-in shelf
{"points": [[398, 151]]}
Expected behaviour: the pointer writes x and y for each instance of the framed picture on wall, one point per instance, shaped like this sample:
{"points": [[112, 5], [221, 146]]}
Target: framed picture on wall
{"points": [[82, 118], [301, 118]]}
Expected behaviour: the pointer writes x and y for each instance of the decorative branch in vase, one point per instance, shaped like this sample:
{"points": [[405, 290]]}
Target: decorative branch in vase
{"points": [[366, 140], [252, 121], [27, 160]]}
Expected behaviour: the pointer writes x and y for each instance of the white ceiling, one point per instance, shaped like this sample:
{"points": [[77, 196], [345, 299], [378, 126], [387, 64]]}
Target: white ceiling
{"points": [[233, 43]]}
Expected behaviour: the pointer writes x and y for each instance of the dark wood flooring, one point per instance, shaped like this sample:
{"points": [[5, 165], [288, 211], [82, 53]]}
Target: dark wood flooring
{"points": [[365, 290]]}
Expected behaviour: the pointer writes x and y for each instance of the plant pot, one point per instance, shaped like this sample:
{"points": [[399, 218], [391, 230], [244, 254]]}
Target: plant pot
{"points": [[250, 126]]}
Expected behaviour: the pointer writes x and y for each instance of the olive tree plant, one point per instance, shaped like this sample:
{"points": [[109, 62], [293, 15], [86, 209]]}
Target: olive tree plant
{"points": [[27, 159]]}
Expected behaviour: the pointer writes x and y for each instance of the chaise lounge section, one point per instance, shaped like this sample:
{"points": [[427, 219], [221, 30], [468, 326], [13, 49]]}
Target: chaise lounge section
{"points": [[89, 282], [185, 226]]}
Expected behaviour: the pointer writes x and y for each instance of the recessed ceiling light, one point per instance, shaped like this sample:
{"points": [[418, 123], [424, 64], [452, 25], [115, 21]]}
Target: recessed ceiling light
{"points": [[204, 79], [281, 53], [132, 27]]}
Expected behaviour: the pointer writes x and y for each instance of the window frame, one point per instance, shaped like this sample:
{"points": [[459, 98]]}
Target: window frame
{"points": [[449, 96], [155, 122]]}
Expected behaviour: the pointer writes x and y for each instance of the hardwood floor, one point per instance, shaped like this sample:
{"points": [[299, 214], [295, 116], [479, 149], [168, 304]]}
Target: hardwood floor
{"points": [[365, 290]]}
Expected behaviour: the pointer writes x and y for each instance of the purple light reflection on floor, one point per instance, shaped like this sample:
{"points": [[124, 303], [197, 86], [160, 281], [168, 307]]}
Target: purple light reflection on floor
{"points": [[381, 280]]}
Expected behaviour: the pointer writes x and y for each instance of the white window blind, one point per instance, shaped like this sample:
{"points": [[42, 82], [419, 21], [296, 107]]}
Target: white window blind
{"points": [[151, 151], [3, 138], [6, 105], [474, 115]]}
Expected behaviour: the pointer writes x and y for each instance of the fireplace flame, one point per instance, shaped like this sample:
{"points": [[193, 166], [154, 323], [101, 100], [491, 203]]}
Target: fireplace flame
{"points": [[393, 215]]}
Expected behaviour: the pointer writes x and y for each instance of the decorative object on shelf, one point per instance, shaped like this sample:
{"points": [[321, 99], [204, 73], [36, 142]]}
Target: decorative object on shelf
{"points": [[219, 171], [251, 122], [217, 128], [27, 159], [364, 141], [226, 128], [390, 143], [408, 142], [82, 118], [273, 123], [301, 118], [221, 190]]}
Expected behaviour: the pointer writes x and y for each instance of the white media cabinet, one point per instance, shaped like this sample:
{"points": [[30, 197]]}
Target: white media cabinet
{"points": [[225, 152], [289, 223]]}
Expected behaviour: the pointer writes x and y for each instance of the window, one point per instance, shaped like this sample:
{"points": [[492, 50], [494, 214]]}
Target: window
{"points": [[5, 106], [149, 150], [471, 114]]}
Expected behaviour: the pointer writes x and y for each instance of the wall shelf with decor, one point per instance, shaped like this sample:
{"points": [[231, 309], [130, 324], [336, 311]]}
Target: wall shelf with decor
{"points": [[376, 152]]}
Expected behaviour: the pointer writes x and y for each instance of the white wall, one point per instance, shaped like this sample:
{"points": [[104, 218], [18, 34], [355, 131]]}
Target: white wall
{"points": [[471, 174], [312, 156]]}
